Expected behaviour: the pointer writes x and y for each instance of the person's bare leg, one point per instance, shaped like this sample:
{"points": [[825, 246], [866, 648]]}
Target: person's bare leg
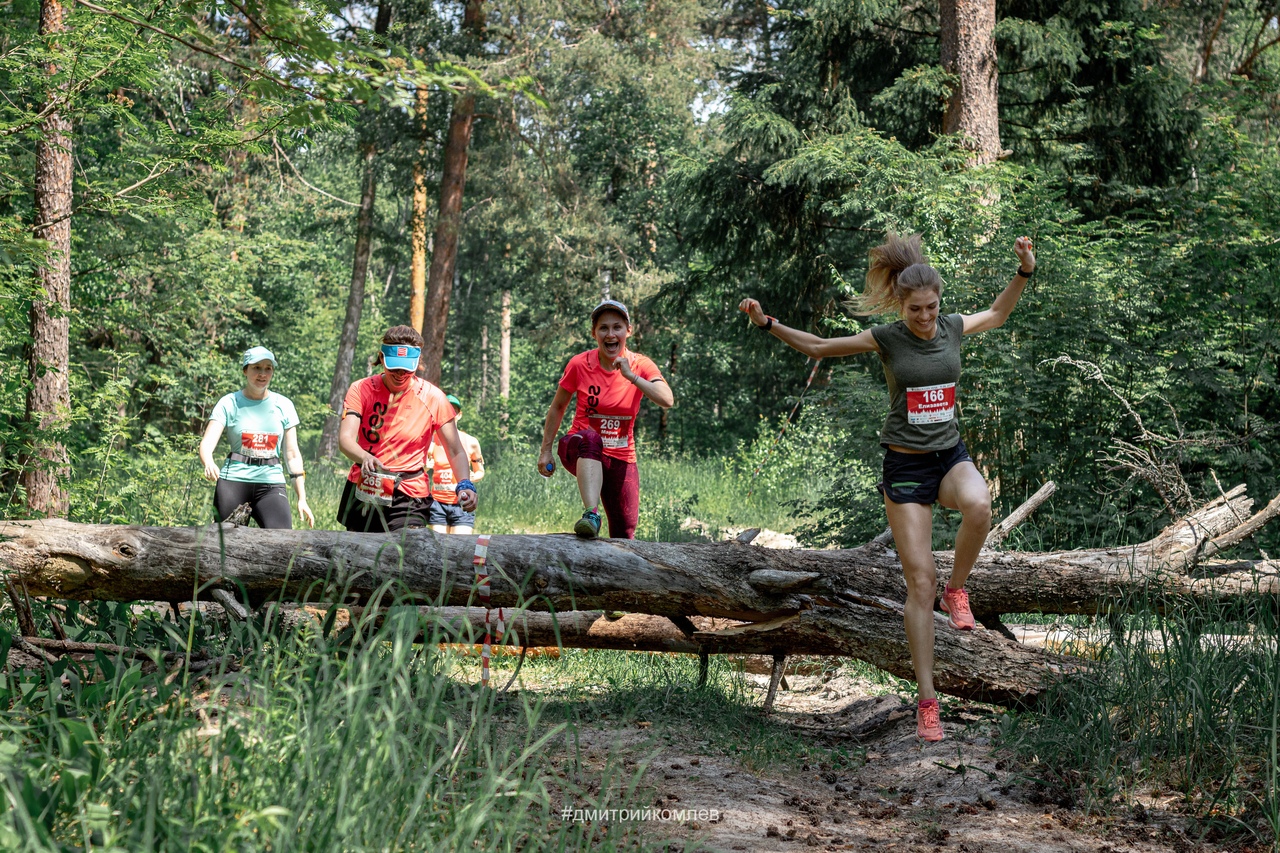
{"points": [[441, 528], [912, 526], [590, 478], [964, 489], [462, 528]]}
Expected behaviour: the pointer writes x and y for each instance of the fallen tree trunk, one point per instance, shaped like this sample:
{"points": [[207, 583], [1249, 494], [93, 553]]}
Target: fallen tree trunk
{"points": [[805, 602], [560, 573], [125, 563]]}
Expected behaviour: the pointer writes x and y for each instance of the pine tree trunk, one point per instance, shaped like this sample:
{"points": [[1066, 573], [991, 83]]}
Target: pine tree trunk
{"points": [[328, 446], [484, 363], [968, 51], [671, 378], [444, 254], [418, 273], [444, 247], [48, 406]]}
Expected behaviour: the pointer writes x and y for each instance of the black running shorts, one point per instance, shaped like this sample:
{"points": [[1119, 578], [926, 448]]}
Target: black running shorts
{"points": [[914, 478]]}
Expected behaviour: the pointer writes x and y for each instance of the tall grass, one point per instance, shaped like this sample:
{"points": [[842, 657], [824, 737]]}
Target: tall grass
{"points": [[313, 744], [514, 498], [1182, 702]]}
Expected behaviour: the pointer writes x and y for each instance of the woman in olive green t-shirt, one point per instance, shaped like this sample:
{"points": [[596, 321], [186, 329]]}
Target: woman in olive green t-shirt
{"points": [[925, 460]]}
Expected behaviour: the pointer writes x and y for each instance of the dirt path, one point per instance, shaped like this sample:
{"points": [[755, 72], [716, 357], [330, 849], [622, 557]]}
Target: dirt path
{"points": [[897, 795]]}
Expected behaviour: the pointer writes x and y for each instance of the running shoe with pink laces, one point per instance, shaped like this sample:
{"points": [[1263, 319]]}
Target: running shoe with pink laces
{"points": [[928, 721], [955, 603]]}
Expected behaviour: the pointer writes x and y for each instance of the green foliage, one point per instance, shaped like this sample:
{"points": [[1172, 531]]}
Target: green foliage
{"points": [[1142, 195]]}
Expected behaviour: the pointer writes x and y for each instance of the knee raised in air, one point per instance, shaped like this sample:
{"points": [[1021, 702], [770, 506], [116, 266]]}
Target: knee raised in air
{"points": [[977, 508], [592, 446]]}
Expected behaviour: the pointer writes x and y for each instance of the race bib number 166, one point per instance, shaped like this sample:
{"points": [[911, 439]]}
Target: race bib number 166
{"points": [[931, 404]]}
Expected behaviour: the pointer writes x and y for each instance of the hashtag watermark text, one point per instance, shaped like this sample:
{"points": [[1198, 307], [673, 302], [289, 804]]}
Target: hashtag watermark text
{"points": [[628, 815]]}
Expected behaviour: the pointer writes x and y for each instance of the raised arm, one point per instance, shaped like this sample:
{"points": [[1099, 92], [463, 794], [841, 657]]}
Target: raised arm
{"points": [[656, 390], [994, 317], [809, 344]]}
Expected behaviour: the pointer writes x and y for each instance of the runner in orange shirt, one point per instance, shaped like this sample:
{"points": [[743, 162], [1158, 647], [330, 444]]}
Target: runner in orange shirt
{"points": [[610, 381], [445, 515], [388, 422]]}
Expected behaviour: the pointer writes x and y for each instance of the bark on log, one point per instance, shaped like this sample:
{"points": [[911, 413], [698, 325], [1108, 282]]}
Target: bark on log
{"points": [[800, 602], [980, 665], [578, 629]]}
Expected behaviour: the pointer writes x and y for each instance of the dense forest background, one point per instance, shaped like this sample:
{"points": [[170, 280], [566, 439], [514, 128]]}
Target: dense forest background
{"points": [[237, 169]]}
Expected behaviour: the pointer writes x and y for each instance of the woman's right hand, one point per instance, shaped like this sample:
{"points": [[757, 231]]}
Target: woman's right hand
{"points": [[546, 463], [370, 466], [753, 310], [211, 471]]}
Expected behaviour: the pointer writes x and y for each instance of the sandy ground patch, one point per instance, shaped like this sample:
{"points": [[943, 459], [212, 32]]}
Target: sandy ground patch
{"points": [[899, 795]]}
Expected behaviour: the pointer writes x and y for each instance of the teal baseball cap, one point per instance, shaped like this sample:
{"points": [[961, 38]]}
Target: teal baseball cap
{"points": [[253, 355], [457, 404]]}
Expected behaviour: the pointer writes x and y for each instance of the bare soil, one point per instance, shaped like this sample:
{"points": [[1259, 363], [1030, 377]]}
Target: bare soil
{"points": [[900, 795]]}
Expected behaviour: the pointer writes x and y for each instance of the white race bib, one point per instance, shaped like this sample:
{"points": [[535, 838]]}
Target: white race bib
{"points": [[376, 488]]}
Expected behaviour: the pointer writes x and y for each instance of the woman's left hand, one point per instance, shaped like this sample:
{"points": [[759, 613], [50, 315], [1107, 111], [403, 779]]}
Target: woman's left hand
{"points": [[304, 510], [623, 363], [1025, 250]]}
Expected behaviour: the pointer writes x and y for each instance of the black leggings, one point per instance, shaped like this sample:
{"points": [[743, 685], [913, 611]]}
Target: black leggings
{"points": [[268, 501]]}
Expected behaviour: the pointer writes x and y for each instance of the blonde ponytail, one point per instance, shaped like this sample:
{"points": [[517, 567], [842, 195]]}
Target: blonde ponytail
{"points": [[898, 267]]}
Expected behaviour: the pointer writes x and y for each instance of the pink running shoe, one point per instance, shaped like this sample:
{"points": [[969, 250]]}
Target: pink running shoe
{"points": [[955, 603], [928, 721]]}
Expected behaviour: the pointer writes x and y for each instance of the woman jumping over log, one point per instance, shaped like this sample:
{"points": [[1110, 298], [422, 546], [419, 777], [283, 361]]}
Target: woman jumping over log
{"points": [[260, 425], [925, 460], [600, 450]]}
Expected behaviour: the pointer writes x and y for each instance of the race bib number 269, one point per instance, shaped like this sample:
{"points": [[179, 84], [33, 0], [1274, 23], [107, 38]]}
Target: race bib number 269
{"points": [[931, 404], [612, 430]]}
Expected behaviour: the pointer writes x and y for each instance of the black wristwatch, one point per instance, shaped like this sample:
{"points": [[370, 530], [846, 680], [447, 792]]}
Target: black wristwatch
{"points": [[767, 325], [1024, 273]]}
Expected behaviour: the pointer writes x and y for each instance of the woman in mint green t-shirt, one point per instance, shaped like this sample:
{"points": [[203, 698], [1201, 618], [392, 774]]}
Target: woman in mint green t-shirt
{"points": [[925, 460], [261, 426]]}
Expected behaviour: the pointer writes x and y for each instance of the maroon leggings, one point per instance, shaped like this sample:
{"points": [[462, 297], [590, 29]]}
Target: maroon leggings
{"points": [[620, 491]]}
